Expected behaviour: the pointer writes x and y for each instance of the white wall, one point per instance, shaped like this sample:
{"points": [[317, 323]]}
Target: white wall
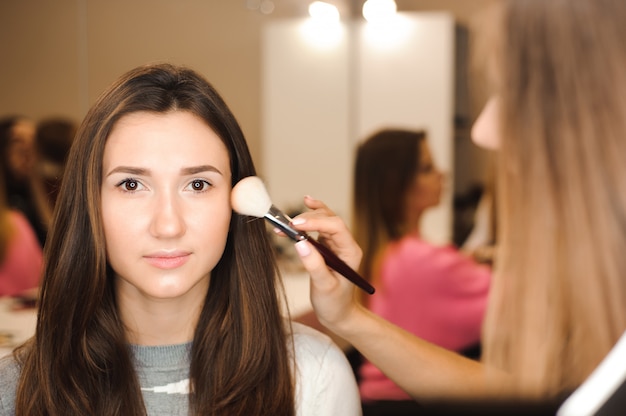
{"points": [[305, 121], [318, 102]]}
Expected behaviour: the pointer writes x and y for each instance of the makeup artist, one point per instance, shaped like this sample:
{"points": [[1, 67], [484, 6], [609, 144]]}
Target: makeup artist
{"points": [[558, 297]]}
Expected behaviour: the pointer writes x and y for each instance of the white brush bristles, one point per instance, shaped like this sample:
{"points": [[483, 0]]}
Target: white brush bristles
{"points": [[249, 197]]}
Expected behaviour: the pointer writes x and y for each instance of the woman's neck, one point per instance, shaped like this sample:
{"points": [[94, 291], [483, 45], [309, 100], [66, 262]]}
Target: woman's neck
{"points": [[160, 321], [412, 224]]}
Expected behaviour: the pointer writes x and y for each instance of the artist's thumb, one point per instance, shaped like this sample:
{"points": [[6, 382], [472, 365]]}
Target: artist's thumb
{"points": [[313, 262]]}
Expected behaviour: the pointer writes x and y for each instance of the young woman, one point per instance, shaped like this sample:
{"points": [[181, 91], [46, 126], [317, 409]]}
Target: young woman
{"points": [[558, 298], [156, 298], [432, 291]]}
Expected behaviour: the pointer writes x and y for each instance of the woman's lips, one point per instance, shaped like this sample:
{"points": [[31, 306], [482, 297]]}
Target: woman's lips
{"points": [[167, 261]]}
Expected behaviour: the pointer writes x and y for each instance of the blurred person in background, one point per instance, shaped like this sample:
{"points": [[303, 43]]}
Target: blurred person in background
{"points": [[433, 291], [23, 186], [53, 139], [20, 253]]}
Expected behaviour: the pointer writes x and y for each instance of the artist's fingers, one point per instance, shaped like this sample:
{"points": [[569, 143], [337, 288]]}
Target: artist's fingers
{"points": [[332, 295], [314, 203], [324, 278], [332, 230], [317, 208], [279, 232]]}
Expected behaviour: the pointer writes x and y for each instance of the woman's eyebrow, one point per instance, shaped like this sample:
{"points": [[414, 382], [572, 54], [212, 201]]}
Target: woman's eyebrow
{"points": [[192, 170], [129, 169]]}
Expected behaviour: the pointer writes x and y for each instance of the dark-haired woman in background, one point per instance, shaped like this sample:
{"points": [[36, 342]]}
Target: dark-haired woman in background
{"points": [[433, 291]]}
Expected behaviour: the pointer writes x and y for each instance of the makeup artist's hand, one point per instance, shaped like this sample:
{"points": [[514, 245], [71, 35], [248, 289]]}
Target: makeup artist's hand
{"points": [[332, 295], [423, 370]]}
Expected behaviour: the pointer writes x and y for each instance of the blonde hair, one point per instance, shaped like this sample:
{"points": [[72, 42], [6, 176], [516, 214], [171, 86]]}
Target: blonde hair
{"points": [[558, 300]]}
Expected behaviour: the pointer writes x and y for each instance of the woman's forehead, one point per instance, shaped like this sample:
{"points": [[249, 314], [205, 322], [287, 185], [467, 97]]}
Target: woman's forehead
{"points": [[160, 139]]}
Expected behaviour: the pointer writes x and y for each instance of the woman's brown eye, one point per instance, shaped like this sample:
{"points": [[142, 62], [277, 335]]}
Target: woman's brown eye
{"points": [[199, 185], [130, 185]]}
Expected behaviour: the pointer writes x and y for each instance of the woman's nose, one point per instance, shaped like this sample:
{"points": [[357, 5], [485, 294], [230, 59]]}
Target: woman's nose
{"points": [[168, 216]]}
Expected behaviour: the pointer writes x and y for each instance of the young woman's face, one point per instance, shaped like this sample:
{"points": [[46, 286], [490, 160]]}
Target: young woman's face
{"points": [[485, 128], [20, 153], [165, 204], [428, 184]]}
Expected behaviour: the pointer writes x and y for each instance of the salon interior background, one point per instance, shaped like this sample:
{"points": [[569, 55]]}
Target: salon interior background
{"points": [[57, 56]]}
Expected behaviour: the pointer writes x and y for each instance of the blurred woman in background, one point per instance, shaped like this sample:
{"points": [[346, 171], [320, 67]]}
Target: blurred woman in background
{"points": [[53, 139], [23, 186], [435, 292], [20, 253]]}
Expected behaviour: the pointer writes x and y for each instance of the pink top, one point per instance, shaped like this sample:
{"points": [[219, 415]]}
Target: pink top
{"points": [[21, 268], [434, 292]]}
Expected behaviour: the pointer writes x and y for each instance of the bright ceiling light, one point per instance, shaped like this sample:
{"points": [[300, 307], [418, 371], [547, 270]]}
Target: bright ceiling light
{"points": [[319, 10], [379, 10]]}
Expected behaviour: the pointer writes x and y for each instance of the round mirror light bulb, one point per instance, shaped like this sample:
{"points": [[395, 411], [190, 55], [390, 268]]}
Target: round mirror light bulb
{"points": [[322, 11], [379, 10]]}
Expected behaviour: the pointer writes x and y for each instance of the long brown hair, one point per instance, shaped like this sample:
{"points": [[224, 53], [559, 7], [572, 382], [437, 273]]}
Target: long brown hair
{"points": [[558, 300], [78, 363], [385, 167]]}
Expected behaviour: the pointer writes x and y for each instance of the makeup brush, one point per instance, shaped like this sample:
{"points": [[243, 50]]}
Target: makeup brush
{"points": [[249, 197]]}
